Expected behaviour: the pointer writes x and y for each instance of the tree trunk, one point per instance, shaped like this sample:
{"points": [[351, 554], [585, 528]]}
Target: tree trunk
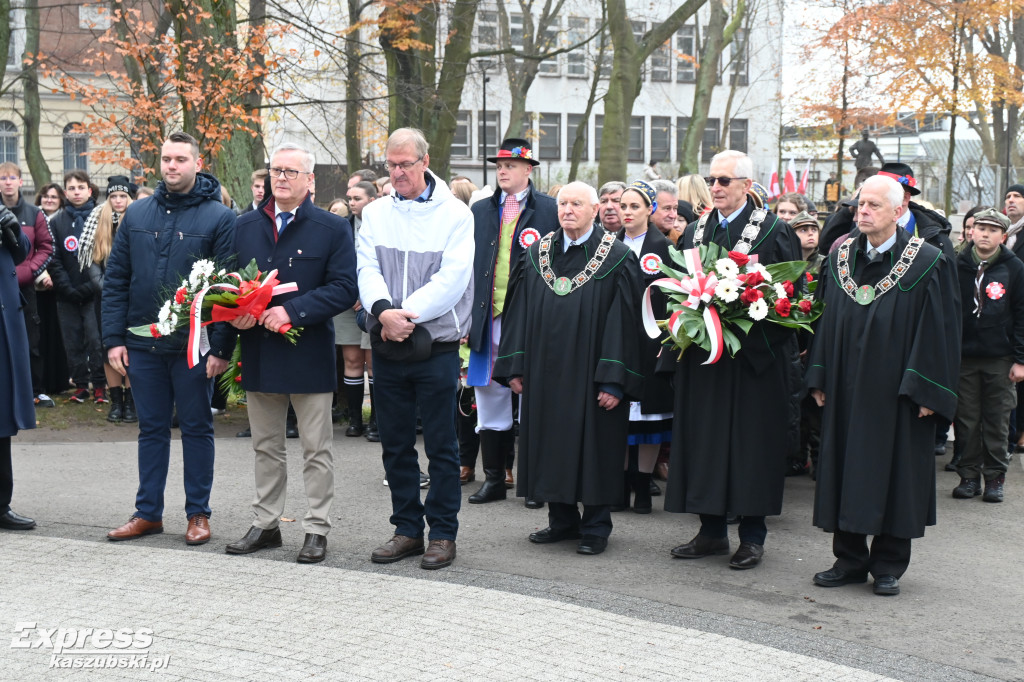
{"points": [[580, 141], [34, 159], [353, 88], [253, 100], [707, 76], [5, 37]]}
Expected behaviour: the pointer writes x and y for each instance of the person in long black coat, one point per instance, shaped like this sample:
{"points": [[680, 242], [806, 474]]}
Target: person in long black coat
{"points": [[17, 410], [880, 365], [729, 432], [571, 349]]}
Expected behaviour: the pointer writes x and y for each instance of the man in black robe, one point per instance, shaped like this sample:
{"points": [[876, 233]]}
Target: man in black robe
{"points": [[885, 358], [570, 347], [730, 433]]}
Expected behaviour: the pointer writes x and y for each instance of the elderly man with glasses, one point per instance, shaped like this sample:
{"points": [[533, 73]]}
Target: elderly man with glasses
{"points": [[731, 430]]}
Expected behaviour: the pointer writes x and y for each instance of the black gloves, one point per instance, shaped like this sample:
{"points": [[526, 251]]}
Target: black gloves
{"points": [[10, 230]]}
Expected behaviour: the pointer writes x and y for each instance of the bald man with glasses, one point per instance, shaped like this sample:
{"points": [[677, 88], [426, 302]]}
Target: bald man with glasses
{"points": [[731, 433]]}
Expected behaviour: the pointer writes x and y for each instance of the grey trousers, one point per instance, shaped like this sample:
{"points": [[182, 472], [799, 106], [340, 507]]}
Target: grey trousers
{"points": [[267, 417]]}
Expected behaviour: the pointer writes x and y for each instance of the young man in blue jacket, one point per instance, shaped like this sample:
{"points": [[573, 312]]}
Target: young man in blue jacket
{"points": [[154, 250]]}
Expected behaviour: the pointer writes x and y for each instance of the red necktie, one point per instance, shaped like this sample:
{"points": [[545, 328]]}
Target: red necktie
{"points": [[510, 212]]}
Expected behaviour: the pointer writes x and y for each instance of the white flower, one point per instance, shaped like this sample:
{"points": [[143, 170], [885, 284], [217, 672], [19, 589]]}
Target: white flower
{"points": [[757, 267], [727, 268], [201, 271], [728, 290], [780, 291], [222, 272], [165, 312], [758, 310]]}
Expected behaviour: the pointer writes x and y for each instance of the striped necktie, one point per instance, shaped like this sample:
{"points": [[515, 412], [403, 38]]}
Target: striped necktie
{"points": [[977, 287]]}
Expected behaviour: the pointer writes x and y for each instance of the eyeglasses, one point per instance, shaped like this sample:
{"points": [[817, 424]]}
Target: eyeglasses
{"points": [[723, 181], [406, 166], [289, 173]]}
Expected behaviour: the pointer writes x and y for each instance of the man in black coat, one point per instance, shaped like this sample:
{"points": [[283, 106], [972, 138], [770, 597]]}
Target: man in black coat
{"points": [[504, 225], [313, 249]]}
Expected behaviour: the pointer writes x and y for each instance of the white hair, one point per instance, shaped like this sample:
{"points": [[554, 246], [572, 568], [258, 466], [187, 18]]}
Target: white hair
{"points": [[308, 163], [893, 190], [744, 167], [577, 184]]}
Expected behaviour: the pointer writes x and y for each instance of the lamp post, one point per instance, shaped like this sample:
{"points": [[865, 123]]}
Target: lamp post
{"points": [[484, 65]]}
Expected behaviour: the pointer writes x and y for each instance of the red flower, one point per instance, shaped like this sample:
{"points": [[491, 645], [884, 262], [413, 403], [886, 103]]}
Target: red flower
{"points": [[750, 295], [805, 307], [752, 279], [153, 332], [810, 277], [238, 379], [179, 296], [782, 307], [788, 286], [738, 258]]}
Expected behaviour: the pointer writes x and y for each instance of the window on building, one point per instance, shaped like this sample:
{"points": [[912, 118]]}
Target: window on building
{"points": [[516, 35], [682, 125], [486, 30], [738, 134], [739, 68], [549, 67], [709, 141], [576, 61], [638, 34], [461, 145], [686, 54], [488, 133], [76, 148], [598, 128], [574, 122], [636, 139], [661, 136], [8, 142], [660, 64], [606, 57], [549, 140]]}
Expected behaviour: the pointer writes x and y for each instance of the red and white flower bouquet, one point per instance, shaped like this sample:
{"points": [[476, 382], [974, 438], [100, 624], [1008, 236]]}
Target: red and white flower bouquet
{"points": [[718, 295], [210, 295]]}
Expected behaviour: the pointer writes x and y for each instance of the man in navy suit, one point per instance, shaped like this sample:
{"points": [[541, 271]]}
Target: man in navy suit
{"points": [[313, 248], [505, 224]]}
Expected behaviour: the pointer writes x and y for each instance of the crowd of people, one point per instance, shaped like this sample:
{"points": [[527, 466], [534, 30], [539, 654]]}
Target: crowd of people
{"points": [[483, 318]]}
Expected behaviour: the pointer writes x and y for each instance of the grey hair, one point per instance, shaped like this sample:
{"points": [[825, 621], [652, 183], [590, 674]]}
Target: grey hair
{"points": [[893, 189], [408, 137], [592, 193], [611, 187], [308, 163], [744, 166], [666, 186]]}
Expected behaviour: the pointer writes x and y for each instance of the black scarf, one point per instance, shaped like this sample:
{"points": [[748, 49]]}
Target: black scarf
{"points": [[79, 214]]}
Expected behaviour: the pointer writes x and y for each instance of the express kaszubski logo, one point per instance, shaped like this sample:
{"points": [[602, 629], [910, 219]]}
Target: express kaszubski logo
{"points": [[90, 647]]}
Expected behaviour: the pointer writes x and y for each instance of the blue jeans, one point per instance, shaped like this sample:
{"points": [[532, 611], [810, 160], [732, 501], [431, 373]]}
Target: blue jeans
{"points": [[158, 383], [399, 388]]}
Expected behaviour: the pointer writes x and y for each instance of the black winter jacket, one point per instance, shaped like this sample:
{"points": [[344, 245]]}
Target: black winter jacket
{"points": [[156, 244], [998, 329]]}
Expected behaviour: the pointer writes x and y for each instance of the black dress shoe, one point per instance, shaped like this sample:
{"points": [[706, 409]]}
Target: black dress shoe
{"points": [[12, 521], [372, 434], [837, 577], [592, 544], [655, 488], [492, 490], [747, 556], [314, 549], [532, 503], [291, 431], [887, 585], [549, 534], [355, 430], [244, 433], [255, 540], [701, 546]]}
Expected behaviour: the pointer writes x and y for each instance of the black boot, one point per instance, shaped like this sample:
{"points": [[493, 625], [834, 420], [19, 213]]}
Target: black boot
{"points": [[627, 488], [354, 398], [116, 413], [493, 488], [130, 415], [372, 433], [642, 490]]}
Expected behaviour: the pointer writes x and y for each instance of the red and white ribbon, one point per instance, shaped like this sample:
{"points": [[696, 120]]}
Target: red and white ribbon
{"points": [[699, 288]]}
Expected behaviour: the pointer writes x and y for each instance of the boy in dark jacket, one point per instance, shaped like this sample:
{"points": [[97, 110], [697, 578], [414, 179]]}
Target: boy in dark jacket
{"points": [[992, 296]]}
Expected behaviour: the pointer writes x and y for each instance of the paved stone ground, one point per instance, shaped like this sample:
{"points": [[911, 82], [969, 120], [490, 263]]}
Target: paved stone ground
{"points": [[507, 610]]}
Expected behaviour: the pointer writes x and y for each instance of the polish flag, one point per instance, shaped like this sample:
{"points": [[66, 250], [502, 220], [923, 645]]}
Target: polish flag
{"points": [[804, 177], [773, 185], [790, 181]]}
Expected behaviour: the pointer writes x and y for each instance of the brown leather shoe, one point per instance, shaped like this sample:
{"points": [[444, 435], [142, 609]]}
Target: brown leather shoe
{"points": [[466, 475], [440, 553], [396, 549], [136, 528], [661, 471], [509, 481], [198, 529]]}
